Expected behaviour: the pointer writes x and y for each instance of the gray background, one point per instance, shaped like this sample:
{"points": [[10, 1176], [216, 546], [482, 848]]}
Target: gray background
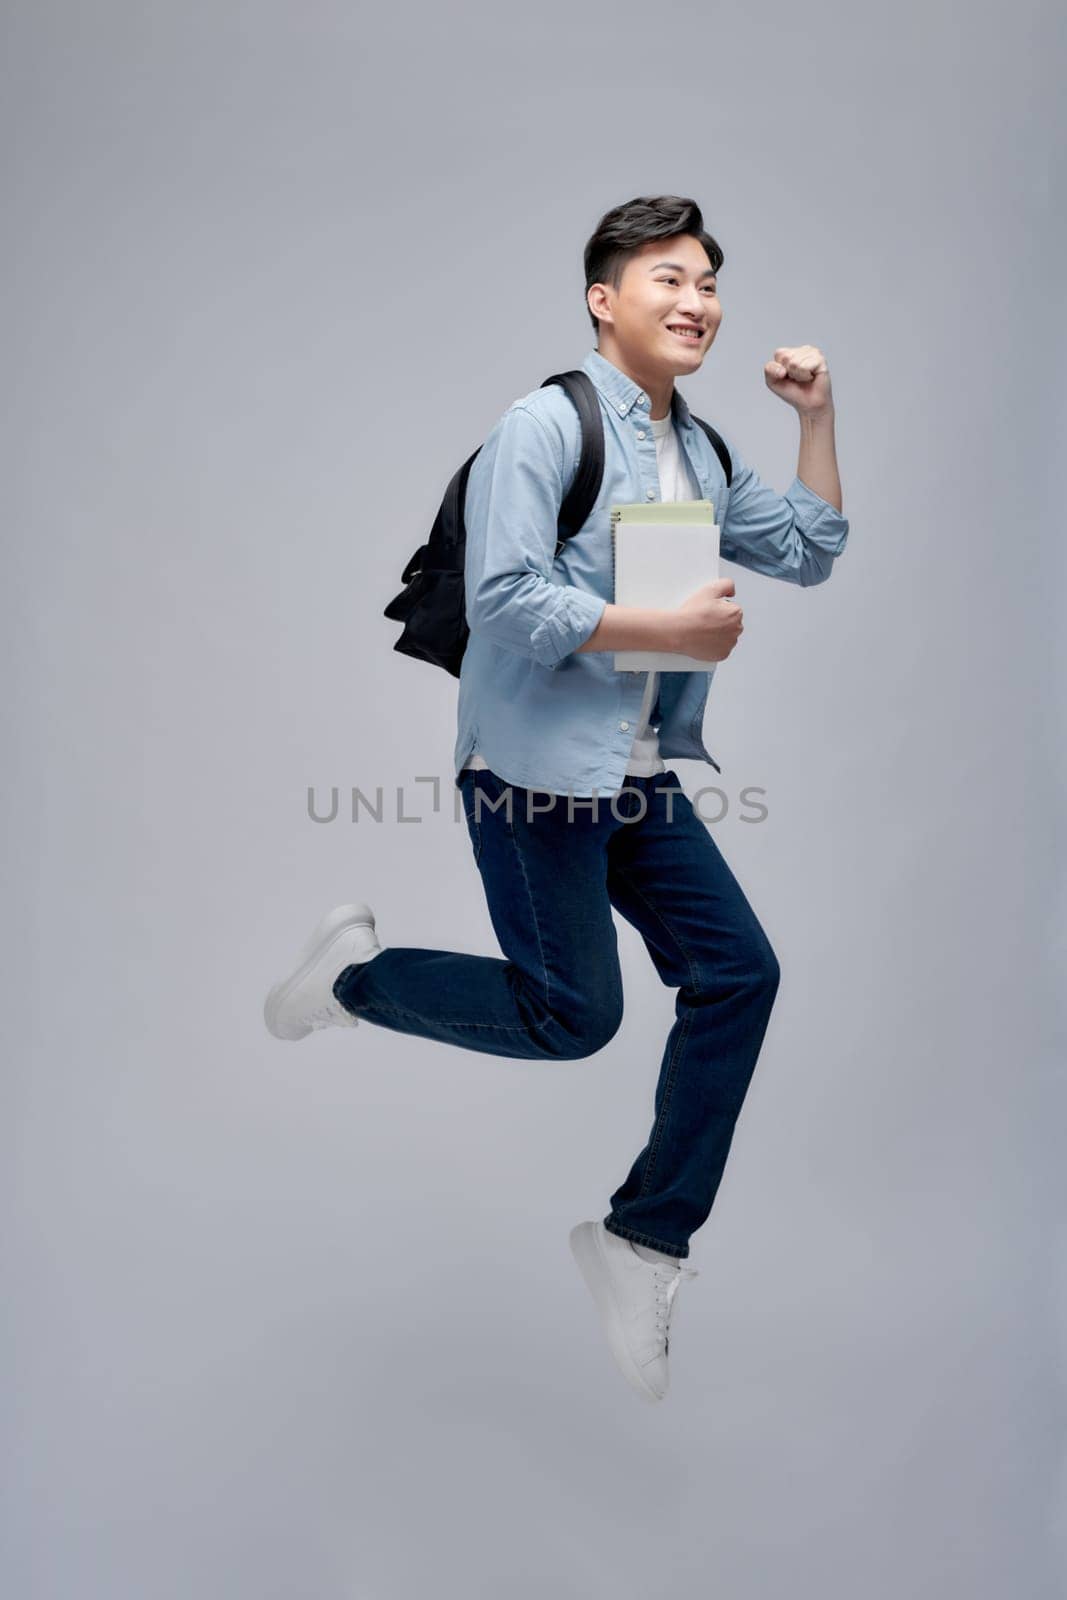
{"points": [[302, 1320]]}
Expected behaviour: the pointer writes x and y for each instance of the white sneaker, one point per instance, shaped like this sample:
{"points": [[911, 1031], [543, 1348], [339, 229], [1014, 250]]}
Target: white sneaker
{"points": [[635, 1299], [305, 999]]}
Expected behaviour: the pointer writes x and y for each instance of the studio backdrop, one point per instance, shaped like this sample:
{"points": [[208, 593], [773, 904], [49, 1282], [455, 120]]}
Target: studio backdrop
{"points": [[302, 1321]]}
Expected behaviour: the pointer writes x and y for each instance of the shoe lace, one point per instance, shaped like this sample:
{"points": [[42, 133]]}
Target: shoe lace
{"points": [[667, 1280]]}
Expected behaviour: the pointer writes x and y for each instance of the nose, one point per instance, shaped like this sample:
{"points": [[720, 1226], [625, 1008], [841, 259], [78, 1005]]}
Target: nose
{"points": [[691, 305]]}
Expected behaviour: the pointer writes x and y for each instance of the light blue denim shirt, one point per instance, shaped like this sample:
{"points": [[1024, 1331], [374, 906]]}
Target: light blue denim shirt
{"points": [[543, 715]]}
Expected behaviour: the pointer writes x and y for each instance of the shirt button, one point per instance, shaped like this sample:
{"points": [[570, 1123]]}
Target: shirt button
{"points": [[624, 726], [622, 409], [650, 494], [640, 433], [642, 399]]}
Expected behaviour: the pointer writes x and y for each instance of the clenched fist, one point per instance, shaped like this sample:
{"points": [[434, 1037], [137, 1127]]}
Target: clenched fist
{"points": [[709, 625], [798, 374]]}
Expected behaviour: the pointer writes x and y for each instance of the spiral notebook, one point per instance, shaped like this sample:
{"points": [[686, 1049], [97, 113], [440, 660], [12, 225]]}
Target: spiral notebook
{"points": [[661, 553]]}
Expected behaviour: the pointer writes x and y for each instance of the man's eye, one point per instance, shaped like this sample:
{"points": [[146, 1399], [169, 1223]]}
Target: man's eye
{"points": [[710, 287]]}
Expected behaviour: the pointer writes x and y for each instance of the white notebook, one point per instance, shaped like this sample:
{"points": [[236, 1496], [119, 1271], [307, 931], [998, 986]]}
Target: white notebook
{"points": [[662, 552]]}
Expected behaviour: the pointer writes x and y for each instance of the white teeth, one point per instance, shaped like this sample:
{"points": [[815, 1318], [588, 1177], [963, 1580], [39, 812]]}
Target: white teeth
{"points": [[687, 333]]}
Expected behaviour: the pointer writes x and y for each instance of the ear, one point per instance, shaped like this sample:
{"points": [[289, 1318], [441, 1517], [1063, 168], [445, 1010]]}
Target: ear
{"points": [[598, 299]]}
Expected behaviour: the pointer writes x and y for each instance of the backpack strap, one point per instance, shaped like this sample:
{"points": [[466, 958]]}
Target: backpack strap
{"points": [[719, 447], [581, 496]]}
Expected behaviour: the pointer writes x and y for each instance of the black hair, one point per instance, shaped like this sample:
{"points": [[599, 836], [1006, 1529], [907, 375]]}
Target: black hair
{"points": [[623, 230]]}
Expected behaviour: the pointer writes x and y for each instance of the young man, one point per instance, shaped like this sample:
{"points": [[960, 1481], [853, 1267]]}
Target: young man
{"points": [[570, 807]]}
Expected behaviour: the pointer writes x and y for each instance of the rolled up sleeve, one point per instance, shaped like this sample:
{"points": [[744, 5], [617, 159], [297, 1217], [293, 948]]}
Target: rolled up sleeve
{"points": [[514, 492], [796, 535]]}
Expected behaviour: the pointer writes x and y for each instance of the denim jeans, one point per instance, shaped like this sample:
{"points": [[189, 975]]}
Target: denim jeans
{"points": [[553, 869]]}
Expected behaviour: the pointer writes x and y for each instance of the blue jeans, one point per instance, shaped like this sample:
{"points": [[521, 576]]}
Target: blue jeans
{"points": [[550, 883]]}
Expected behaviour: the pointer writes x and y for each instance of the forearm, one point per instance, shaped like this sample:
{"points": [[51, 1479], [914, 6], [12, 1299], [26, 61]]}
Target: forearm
{"points": [[817, 460], [634, 628]]}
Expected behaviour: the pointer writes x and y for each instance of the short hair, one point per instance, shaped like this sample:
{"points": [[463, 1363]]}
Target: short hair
{"points": [[621, 232]]}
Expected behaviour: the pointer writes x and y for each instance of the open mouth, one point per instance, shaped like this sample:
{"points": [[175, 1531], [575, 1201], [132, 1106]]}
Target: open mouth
{"points": [[685, 331]]}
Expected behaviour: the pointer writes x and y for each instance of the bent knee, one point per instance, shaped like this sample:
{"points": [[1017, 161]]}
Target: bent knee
{"points": [[752, 967], [763, 966], [584, 1035]]}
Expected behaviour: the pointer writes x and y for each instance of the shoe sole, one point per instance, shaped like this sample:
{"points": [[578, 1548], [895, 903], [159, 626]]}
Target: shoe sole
{"points": [[333, 924], [587, 1252]]}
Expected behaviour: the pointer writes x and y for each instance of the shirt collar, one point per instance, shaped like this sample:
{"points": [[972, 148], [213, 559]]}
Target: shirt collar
{"points": [[621, 393]]}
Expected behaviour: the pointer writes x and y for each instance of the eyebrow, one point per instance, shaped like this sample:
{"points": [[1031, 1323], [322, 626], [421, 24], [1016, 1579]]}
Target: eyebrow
{"points": [[709, 273]]}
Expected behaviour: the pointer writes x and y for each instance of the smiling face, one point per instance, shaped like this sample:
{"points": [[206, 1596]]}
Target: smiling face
{"points": [[662, 319]]}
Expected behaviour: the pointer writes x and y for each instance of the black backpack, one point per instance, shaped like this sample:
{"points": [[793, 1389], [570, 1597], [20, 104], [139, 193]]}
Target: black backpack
{"points": [[432, 606]]}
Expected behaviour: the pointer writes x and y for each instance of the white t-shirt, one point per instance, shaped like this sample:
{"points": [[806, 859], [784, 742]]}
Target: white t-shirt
{"points": [[675, 483]]}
